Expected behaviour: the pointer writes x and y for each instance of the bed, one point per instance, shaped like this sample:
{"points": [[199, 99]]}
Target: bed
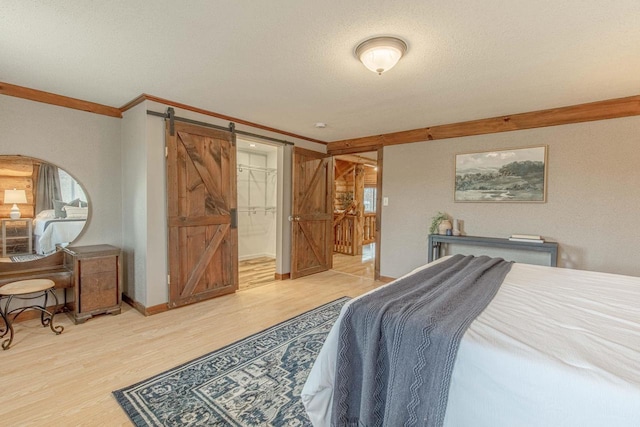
{"points": [[49, 232], [554, 347]]}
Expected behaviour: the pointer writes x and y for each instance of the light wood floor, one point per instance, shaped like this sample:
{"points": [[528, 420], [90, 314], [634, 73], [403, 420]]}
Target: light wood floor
{"points": [[362, 266], [67, 380], [256, 272], [261, 271]]}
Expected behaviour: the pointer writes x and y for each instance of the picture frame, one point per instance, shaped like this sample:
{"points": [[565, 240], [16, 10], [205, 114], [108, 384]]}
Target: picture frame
{"points": [[505, 175]]}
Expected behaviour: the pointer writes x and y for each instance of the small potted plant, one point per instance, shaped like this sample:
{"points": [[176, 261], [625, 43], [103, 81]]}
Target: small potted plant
{"points": [[440, 223], [345, 199]]}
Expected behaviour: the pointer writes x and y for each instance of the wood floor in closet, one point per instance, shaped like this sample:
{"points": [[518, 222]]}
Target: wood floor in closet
{"points": [[68, 379], [256, 272]]}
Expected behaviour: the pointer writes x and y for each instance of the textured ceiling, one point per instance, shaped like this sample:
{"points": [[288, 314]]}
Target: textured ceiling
{"points": [[289, 63]]}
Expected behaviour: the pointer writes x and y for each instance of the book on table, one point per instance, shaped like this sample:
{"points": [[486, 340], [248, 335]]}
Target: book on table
{"points": [[518, 239], [526, 236]]}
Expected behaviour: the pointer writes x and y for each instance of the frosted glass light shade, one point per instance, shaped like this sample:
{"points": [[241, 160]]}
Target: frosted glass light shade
{"points": [[381, 54]]}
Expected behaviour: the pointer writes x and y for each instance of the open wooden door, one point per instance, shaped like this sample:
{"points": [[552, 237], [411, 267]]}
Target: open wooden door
{"points": [[312, 213], [201, 195]]}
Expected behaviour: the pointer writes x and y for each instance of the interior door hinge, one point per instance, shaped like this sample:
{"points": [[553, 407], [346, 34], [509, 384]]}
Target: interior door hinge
{"points": [[168, 279], [166, 151]]}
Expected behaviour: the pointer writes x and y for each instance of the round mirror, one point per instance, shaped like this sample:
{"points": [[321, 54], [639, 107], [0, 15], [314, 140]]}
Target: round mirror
{"points": [[43, 208]]}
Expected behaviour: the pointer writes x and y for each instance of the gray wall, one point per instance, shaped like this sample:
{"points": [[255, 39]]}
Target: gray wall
{"points": [[144, 201], [593, 196], [157, 286], [134, 210], [84, 144]]}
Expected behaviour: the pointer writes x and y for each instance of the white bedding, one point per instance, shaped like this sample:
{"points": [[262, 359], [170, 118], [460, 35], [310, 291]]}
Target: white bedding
{"points": [[556, 347], [58, 231]]}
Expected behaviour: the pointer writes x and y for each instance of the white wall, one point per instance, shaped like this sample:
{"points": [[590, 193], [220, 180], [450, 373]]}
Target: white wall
{"points": [[283, 227], [256, 189], [593, 196], [272, 198], [157, 287], [145, 210], [84, 144], [134, 210]]}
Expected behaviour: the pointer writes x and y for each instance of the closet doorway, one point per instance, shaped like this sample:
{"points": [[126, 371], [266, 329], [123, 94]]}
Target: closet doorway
{"points": [[257, 188]]}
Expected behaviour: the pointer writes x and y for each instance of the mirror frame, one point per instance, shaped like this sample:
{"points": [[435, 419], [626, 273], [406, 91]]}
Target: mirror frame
{"points": [[35, 263]]}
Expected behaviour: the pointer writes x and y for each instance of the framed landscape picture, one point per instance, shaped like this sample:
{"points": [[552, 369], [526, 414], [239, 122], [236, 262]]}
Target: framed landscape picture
{"points": [[516, 175]]}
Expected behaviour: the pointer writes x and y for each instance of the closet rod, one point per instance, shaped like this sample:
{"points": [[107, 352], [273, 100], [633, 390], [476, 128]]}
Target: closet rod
{"points": [[209, 125], [241, 167], [254, 210]]}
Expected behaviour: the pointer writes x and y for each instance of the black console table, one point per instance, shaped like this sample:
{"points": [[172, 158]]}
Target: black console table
{"points": [[436, 241]]}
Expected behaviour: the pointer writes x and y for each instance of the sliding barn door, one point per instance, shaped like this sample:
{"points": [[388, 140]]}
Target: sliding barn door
{"points": [[203, 238], [312, 216]]}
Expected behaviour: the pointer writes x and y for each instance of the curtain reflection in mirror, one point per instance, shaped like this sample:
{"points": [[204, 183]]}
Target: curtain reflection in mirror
{"points": [[48, 187]]}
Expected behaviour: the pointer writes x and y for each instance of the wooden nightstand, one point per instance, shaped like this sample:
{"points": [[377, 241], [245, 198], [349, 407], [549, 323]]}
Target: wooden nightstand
{"points": [[97, 280], [17, 236]]}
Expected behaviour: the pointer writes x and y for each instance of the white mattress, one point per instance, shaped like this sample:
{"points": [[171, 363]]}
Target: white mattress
{"points": [[58, 231], [556, 347]]}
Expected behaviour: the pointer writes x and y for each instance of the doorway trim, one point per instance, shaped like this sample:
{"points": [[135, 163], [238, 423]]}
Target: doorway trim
{"points": [[379, 164], [376, 263]]}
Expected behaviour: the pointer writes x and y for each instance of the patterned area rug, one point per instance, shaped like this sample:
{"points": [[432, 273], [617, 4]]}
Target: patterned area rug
{"points": [[254, 382]]}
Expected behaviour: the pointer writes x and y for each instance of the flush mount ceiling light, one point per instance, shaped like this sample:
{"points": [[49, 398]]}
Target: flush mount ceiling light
{"points": [[381, 54]]}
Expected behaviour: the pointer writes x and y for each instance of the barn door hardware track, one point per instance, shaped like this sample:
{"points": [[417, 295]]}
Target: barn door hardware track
{"points": [[170, 115]]}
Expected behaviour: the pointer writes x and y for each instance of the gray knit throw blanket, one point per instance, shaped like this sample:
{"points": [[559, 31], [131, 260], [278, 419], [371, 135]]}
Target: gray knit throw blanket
{"points": [[397, 346]]}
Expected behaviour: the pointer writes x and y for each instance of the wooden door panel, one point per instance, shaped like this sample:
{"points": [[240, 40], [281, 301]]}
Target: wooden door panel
{"points": [[203, 260], [204, 249], [204, 175], [312, 217], [312, 257]]}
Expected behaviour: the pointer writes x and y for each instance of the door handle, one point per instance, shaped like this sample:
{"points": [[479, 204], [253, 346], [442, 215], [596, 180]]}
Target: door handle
{"points": [[294, 218]]}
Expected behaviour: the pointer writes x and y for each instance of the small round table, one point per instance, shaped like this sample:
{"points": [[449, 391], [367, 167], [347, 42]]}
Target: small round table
{"points": [[27, 290]]}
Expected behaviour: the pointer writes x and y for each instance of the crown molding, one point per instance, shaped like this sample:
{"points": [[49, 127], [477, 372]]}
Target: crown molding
{"points": [[59, 100], [600, 110], [92, 107], [147, 97]]}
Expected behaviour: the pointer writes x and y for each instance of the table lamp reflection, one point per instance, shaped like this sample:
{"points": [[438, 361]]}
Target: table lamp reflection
{"points": [[15, 196]]}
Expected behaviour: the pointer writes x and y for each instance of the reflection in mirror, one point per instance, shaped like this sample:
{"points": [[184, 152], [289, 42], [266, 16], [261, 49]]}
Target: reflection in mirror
{"points": [[43, 208]]}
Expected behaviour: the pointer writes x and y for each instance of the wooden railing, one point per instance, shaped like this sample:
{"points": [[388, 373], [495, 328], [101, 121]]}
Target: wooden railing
{"points": [[344, 232], [369, 227]]}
